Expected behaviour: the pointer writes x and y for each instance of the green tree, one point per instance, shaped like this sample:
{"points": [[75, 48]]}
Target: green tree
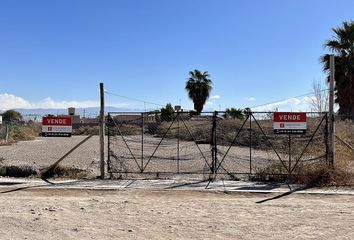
{"points": [[11, 116], [234, 113], [198, 87], [342, 46], [167, 113]]}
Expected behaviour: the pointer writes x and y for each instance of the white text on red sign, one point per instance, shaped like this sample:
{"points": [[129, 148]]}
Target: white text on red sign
{"points": [[290, 117]]}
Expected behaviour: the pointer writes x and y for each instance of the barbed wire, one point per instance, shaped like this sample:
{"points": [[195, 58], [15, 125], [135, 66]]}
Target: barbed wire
{"points": [[133, 99], [255, 106]]}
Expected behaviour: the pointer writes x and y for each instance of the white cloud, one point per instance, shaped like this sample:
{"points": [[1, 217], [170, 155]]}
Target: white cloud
{"points": [[209, 103], [250, 99], [291, 104], [50, 103], [215, 97], [10, 101]]}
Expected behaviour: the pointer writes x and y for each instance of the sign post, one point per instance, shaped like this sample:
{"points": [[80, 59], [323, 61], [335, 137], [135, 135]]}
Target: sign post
{"points": [[57, 126]]}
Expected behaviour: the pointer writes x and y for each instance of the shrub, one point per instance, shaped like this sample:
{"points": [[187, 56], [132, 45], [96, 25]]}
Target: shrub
{"points": [[271, 173], [167, 113], [18, 171], [66, 172], [234, 113], [11, 116], [86, 130], [24, 132]]}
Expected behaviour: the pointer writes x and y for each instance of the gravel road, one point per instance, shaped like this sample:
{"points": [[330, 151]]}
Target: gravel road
{"points": [[141, 214]]}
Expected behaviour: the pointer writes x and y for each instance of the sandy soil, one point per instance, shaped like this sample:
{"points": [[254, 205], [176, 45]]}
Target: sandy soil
{"points": [[143, 214], [161, 157], [43, 152]]}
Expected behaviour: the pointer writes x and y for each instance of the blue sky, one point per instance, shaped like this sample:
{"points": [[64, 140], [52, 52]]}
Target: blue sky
{"points": [[55, 53]]}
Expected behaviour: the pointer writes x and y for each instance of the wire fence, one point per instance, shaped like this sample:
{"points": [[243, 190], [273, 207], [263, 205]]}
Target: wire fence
{"points": [[22, 146], [344, 129], [175, 144], [210, 145]]}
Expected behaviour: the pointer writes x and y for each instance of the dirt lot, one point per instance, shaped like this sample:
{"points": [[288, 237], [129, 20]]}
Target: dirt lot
{"points": [[44, 151], [146, 214], [158, 156]]}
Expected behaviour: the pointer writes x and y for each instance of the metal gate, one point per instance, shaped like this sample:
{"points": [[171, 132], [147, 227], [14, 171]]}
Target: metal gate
{"points": [[210, 145]]}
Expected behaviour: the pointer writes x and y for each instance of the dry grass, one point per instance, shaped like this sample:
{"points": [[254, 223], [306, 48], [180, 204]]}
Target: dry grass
{"points": [[65, 172], [342, 174], [125, 129], [310, 175], [226, 130], [323, 175], [24, 132], [31, 171], [18, 171], [201, 130], [344, 155], [271, 173], [86, 130], [319, 173]]}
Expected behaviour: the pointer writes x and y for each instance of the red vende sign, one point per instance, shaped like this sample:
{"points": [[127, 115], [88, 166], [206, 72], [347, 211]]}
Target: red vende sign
{"points": [[57, 121], [289, 122], [57, 126], [289, 117]]}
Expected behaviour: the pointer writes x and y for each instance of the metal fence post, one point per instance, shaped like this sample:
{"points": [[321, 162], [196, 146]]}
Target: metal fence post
{"points": [[108, 145], [214, 146], [178, 141], [250, 135], [102, 131], [142, 140], [6, 132], [289, 145], [326, 139]]}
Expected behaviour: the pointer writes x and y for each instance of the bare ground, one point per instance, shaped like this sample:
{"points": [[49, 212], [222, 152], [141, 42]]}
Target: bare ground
{"points": [[127, 155], [43, 152], [147, 214]]}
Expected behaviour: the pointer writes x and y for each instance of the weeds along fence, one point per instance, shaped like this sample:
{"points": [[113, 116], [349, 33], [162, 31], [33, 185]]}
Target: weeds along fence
{"points": [[344, 143], [12, 131], [4, 133], [211, 145]]}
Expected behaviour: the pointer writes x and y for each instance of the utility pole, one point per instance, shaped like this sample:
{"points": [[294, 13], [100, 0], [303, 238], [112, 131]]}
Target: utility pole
{"points": [[102, 131], [332, 136]]}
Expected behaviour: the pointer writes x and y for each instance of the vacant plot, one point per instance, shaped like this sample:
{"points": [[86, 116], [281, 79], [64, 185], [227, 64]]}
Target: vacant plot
{"points": [[42, 152], [128, 155], [143, 214]]}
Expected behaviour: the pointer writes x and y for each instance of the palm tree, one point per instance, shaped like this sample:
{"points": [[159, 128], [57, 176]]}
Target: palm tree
{"points": [[342, 45], [198, 87]]}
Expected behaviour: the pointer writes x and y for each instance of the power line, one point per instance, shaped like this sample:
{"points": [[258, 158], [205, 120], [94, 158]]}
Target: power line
{"points": [[284, 99], [133, 99], [158, 104]]}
